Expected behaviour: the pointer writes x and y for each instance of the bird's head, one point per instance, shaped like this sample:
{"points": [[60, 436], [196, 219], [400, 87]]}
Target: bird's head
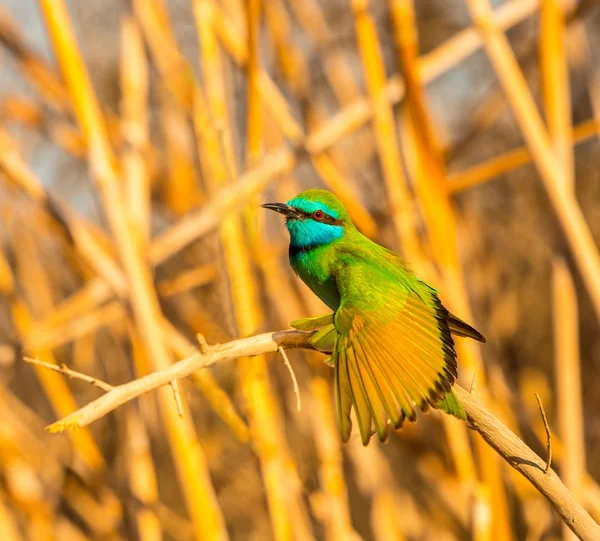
{"points": [[313, 218]]}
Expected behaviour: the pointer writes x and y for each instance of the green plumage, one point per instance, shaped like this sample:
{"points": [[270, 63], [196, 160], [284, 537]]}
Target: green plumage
{"points": [[389, 336]]}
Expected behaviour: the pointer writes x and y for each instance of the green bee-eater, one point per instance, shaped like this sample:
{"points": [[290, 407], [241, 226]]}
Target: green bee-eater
{"points": [[389, 336]]}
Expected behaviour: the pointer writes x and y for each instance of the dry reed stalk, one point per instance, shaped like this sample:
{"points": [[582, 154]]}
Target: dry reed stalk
{"points": [[453, 494], [288, 516], [580, 57], [555, 85], [441, 223], [568, 378], [375, 480], [334, 508], [176, 74], [187, 280], [181, 191], [432, 65], [338, 70], [279, 108], [8, 525], [192, 470], [92, 246], [26, 490], [552, 173], [37, 290], [289, 56], [34, 68], [65, 529], [100, 517], [7, 281], [134, 128], [429, 178], [401, 204], [468, 41], [557, 102], [52, 337], [512, 159], [206, 219], [254, 122], [142, 478]]}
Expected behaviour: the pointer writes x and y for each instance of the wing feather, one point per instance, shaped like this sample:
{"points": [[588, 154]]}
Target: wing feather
{"points": [[403, 400], [343, 394], [391, 357], [360, 399], [379, 379]]}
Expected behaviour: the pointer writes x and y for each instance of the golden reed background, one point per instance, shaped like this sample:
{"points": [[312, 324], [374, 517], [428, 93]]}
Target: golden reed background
{"points": [[135, 147]]}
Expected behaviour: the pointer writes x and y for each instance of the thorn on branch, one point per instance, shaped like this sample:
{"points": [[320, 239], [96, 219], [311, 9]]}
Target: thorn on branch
{"points": [[548, 433], [473, 388], [293, 375], [72, 374], [202, 343], [177, 396]]}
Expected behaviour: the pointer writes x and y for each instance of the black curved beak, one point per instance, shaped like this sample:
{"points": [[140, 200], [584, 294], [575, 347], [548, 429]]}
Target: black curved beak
{"points": [[282, 208]]}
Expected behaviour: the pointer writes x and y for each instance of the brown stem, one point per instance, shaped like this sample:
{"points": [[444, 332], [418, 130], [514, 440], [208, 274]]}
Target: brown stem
{"points": [[499, 437]]}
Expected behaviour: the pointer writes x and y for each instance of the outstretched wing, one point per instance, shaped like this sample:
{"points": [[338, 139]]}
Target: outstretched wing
{"points": [[394, 352]]}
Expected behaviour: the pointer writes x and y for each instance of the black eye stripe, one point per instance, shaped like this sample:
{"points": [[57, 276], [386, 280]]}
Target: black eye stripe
{"points": [[326, 219]]}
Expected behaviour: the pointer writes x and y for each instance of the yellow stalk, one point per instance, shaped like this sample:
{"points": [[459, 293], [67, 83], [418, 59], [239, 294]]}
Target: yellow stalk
{"points": [[55, 329], [289, 55], [8, 525], [7, 281], [142, 478], [336, 518], [39, 294], [34, 68], [555, 85], [99, 517], [189, 459], [568, 379], [375, 480], [65, 529], [551, 170], [280, 110], [134, 127], [287, 511], [181, 190], [254, 119], [429, 178], [175, 72], [385, 128], [512, 159], [557, 103], [187, 280]]}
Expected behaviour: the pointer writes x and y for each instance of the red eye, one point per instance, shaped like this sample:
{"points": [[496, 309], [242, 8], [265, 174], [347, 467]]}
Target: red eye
{"points": [[318, 214]]}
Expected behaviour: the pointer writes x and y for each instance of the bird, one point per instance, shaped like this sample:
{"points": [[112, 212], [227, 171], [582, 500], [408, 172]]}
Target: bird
{"points": [[389, 337]]}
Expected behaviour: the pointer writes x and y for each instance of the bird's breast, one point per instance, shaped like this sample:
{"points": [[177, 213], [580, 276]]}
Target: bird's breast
{"points": [[314, 271]]}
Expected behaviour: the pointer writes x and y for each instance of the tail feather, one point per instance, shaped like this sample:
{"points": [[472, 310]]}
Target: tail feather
{"points": [[459, 328]]}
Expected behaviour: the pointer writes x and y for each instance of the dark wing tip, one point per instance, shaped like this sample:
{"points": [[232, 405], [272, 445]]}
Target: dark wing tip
{"points": [[459, 328]]}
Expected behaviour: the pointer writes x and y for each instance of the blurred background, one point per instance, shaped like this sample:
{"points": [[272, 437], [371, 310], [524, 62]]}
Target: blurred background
{"points": [[137, 139]]}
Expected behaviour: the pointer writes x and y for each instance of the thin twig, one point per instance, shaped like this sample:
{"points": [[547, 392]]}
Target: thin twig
{"points": [[63, 369], [177, 397], [473, 388], [512, 449], [293, 375], [548, 434], [202, 343]]}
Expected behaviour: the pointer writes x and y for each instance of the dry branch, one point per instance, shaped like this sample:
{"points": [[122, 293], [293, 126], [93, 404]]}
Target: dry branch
{"points": [[511, 448]]}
